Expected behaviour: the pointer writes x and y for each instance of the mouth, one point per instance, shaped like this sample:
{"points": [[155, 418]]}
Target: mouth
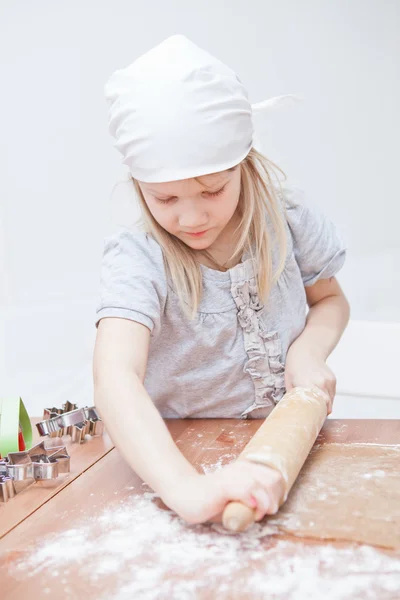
{"points": [[197, 234]]}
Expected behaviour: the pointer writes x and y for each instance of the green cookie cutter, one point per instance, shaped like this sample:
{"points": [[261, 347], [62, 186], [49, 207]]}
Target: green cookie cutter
{"points": [[13, 415]]}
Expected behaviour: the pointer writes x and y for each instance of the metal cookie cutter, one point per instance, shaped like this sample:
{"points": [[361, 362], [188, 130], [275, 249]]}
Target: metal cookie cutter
{"points": [[50, 462], [6, 483], [76, 422], [52, 413], [76, 430], [6, 488], [96, 425], [20, 469]]}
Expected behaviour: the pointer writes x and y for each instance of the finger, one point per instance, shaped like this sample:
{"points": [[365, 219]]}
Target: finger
{"points": [[264, 504], [331, 391], [216, 518], [328, 384], [325, 395], [271, 480]]}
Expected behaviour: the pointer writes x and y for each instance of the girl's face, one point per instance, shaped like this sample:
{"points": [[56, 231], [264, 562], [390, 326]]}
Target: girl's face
{"points": [[194, 212]]}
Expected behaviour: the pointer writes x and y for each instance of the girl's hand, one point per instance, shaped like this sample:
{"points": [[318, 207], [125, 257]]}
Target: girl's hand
{"points": [[201, 498], [306, 369]]}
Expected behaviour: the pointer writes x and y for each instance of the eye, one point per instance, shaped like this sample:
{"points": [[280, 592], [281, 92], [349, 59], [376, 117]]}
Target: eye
{"points": [[169, 200], [164, 201], [216, 193]]}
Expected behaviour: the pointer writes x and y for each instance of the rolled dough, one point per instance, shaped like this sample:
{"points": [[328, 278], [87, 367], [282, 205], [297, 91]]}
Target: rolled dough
{"points": [[346, 492]]}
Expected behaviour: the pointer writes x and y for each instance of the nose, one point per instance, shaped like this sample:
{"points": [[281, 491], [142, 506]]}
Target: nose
{"points": [[193, 217]]}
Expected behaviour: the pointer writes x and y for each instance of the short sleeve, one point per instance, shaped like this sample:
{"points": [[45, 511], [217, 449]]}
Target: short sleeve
{"points": [[319, 250], [132, 283]]}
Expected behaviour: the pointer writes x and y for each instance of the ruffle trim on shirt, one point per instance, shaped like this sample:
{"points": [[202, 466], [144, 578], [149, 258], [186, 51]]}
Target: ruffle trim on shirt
{"points": [[262, 347]]}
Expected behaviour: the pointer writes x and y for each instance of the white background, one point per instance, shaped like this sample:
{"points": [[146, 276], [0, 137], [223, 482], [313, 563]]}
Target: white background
{"points": [[58, 166]]}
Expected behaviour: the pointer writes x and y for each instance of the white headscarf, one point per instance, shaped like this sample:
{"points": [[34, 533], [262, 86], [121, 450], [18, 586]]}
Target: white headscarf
{"points": [[177, 112]]}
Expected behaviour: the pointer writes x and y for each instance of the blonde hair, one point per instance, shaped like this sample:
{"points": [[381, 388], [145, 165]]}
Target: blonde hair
{"points": [[257, 197]]}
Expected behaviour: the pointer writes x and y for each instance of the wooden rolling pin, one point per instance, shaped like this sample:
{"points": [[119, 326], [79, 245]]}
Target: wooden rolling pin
{"points": [[283, 442]]}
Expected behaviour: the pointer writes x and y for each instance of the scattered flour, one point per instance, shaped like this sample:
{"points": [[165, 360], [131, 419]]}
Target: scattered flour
{"points": [[216, 466], [136, 550], [377, 473]]}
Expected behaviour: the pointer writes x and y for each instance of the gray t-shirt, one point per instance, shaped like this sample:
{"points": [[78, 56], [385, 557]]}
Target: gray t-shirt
{"points": [[229, 361]]}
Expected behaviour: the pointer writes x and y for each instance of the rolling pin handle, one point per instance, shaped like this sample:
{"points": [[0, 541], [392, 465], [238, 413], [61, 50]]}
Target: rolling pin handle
{"points": [[237, 517]]}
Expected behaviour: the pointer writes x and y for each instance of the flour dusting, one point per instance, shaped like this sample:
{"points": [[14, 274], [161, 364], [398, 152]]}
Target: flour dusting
{"points": [[217, 466], [137, 550]]}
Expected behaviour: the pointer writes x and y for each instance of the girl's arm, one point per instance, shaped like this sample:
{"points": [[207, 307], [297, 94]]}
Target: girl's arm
{"points": [[132, 421], [326, 320]]}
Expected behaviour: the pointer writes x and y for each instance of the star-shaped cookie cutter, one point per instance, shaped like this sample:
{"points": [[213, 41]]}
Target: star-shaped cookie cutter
{"points": [[20, 469], [70, 420]]}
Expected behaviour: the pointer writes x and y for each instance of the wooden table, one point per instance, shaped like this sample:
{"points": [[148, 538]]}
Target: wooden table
{"points": [[100, 480]]}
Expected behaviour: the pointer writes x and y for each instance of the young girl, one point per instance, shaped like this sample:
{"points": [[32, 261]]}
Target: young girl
{"points": [[203, 310]]}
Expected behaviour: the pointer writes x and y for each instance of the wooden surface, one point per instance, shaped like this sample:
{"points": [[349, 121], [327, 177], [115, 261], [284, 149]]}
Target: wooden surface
{"points": [[24, 504], [100, 478]]}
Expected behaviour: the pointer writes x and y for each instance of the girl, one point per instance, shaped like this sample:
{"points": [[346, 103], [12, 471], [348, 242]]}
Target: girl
{"points": [[203, 308]]}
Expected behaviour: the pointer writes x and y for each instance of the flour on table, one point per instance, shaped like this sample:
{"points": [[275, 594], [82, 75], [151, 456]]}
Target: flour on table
{"points": [[221, 462], [135, 550]]}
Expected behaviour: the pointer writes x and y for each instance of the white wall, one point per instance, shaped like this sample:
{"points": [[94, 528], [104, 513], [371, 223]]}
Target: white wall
{"points": [[58, 165]]}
